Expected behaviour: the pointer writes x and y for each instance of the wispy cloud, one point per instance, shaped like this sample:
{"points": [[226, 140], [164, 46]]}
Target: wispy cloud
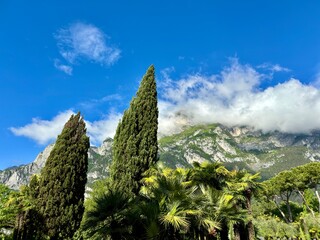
{"points": [[62, 67], [165, 73], [274, 67], [82, 41], [92, 103], [233, 97]]}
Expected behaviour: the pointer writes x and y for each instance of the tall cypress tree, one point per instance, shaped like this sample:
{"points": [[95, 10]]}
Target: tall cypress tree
{"points": [[63, 179], [135, 144]]}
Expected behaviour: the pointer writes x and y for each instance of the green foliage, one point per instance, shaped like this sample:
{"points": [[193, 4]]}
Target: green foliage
{"points": [[272, 227], [28, 225], [205, 202], [292, 185], [17, 211], [173, 204], [62, 183], [8, 210], [107, 213], [29, 221], [189, 133], [135, 146], [213, 175], [178, 208], [311, 200], [310, 226], [290, 196]]}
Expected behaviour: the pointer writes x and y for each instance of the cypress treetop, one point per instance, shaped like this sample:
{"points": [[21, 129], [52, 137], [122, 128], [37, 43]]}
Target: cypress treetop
{"points": [[135, 145], [63, 179]]}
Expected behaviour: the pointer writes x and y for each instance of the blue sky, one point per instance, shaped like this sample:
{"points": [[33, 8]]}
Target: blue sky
{"points": [[235, 62]]}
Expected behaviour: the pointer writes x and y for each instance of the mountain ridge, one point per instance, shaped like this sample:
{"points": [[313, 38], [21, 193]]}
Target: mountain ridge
{"points": [[236, 147]]}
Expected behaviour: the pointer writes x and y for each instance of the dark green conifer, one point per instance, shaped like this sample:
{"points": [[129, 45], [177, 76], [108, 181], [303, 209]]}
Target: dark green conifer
{"points": [[63, 179], [135, 144]]}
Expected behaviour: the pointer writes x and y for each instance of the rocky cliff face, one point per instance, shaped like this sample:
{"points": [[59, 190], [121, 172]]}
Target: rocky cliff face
{"points": [[99, 159], [16, 176], [242, 147]]}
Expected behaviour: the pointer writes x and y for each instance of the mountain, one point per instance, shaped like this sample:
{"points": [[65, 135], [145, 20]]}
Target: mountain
{"points": [[14, 177], [240, 147], [99, 159]]}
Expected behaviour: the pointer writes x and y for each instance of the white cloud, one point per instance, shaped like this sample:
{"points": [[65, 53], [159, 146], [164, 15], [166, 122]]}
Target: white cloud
{"points": [[233, 97], [62, 67], [273, 67], [101, 129], [165, 73], [86, 41], [93, 103], [278, 68], [43, 131], [316, 81]]}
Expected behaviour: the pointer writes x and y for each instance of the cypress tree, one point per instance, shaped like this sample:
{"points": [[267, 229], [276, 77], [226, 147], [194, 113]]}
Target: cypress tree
{"points": [[135, 144], [63, 179]]}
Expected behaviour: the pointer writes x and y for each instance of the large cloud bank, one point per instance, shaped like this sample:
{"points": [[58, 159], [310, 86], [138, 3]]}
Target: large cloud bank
{"points": [[234, 97]]}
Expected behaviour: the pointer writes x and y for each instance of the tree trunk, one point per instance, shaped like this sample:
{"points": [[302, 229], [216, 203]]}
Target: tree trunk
{"points": [[251, 232], [18, 231], [244, 232], [224, 232], [236, 230], [289, 209], [115, 236], [281, 212], [318, 197], [250, 227], [305, 202]]}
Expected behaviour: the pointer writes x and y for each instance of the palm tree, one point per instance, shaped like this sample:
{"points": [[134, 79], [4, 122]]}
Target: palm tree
{"points": [[222, 207], [244, 185], [216, 181], [209, 174], [108, 215], [179, 208]]}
